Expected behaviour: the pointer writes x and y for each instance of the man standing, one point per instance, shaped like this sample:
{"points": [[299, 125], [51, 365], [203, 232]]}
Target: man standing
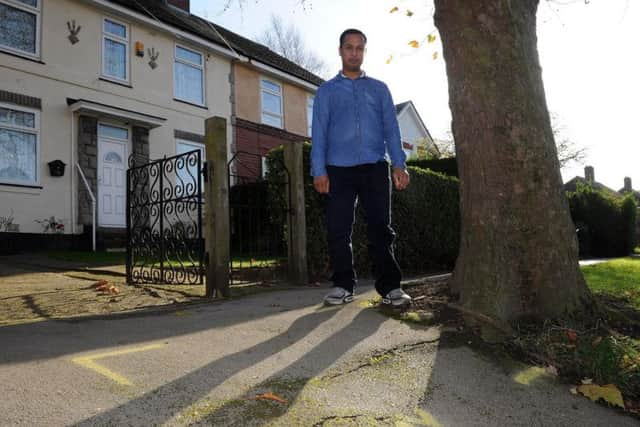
{"points": [[354, 126]]}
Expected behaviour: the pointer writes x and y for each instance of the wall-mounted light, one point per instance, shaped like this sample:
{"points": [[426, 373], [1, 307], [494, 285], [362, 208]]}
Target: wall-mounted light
{"points": [[56, 168], [139, 49], [73, 31]]}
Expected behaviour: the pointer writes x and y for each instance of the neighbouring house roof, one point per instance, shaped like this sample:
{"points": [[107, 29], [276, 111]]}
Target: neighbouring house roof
{"points": [[572, 185], [636, 194], [409, 104], [193, 24]]}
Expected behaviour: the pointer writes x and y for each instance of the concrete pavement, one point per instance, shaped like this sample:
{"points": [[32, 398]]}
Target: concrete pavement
{"points": [[216, 364]]}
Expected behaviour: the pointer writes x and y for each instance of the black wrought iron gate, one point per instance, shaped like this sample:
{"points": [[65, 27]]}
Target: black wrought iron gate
{"points": [[164, 220], [259, 216]]}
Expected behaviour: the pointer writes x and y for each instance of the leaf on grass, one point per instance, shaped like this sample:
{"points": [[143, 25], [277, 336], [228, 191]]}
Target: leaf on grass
{"points": [[431, 38], [609, 393], [414, 44], [587, 381], [572, 335], [270, 396], [388, 61], [394, 9]]}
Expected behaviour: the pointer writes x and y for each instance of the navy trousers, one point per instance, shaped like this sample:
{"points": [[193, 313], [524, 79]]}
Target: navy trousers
{"points": [[369, 185]]}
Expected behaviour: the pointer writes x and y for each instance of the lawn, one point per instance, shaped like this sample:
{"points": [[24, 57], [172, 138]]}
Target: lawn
{"points": [[619, 278]]}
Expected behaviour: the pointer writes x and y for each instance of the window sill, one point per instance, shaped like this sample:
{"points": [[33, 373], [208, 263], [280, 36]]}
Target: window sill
{"points": [[115, 82], [17, 55], [6, 184], [204, 107]]}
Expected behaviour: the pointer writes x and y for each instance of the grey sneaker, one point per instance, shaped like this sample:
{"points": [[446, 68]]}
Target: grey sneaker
{"points": [[397, 298], [337, 296]]}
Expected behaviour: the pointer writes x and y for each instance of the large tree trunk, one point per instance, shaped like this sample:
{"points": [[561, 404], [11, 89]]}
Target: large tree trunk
{"points": [[518, 249]]}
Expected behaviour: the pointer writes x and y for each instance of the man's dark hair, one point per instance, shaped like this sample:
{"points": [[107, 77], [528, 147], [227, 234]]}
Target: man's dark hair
{"points": [[345, 33]]}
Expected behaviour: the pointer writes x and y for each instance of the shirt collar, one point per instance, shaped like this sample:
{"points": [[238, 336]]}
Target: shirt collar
{"points": [[362, 74]]}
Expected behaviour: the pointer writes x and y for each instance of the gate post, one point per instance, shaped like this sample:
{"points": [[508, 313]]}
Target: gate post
{"points": [[217, 235], [297, 244]]}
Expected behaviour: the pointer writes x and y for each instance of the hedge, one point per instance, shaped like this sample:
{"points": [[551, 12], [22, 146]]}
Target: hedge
{"points": [[447, 165], [605, 224], [425, 217]]}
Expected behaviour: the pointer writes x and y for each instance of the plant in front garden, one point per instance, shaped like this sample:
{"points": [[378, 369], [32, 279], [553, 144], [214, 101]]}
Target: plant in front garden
{"points": [[51, 225]]}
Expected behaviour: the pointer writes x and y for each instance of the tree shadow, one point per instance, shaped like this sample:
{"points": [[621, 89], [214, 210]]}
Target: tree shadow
{"points": [[189, 389]]}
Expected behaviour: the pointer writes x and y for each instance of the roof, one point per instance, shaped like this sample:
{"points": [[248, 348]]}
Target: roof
{"points": [[400, 107], [158, 9], [572, 185]]}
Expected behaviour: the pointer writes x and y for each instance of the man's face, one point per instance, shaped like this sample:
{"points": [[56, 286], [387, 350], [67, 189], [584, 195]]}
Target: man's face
{"points": [[352, 52]]}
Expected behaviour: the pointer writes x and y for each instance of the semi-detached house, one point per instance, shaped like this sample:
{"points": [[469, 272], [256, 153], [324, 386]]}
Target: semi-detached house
{"points": [[93, 83]]}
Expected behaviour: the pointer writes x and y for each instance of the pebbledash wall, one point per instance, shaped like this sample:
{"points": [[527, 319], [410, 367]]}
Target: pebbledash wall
{"points": [[63, 84]]}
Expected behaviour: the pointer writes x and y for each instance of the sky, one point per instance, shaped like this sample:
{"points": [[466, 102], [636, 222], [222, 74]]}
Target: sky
{"points": [[589, 52]]}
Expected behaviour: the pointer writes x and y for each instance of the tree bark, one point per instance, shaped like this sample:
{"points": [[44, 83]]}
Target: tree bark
{"points": [[518, 250]]}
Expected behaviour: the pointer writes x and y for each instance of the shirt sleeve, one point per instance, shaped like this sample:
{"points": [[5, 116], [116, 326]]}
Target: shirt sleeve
{"points": [[319, 131], [392, 131]]}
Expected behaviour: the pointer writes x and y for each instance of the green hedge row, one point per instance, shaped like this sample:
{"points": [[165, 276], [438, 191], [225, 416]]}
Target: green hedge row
{"points": [[447, 165], [605, 225], [425, 217]]}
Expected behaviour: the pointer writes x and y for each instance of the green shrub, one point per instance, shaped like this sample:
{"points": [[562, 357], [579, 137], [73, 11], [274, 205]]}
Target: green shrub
{"points": [[425, 217], [605, 224], [447, 165]]}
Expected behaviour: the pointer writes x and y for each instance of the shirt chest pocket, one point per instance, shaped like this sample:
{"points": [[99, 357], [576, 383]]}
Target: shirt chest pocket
{"points": [[372, 103]]}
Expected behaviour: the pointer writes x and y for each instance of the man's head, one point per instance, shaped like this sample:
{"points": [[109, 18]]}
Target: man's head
{"points": [[352, 48]]}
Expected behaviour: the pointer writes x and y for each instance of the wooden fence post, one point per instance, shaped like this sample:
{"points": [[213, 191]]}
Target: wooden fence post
{"points": [[297, 227], [217, 243]]}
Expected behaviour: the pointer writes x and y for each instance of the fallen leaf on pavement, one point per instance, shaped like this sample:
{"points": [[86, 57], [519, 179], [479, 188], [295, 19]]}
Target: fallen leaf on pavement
{"points": [[551, 370], [270, 396], [99, 283], [103, 288], [573, 390], [609, 393], [587, 381], [114, 290]]}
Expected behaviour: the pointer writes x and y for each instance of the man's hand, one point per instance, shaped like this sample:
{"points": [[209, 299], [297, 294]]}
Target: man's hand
{"points": [[400, 178], [321, 184]]}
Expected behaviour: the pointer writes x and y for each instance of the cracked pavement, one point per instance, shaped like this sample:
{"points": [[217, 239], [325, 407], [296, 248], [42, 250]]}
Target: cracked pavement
{"points": [[277, 358]]}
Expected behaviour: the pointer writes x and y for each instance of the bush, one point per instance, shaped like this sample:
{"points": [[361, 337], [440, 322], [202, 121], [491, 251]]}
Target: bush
{"points": [[447, 165], [425, 217], [605, 224]]}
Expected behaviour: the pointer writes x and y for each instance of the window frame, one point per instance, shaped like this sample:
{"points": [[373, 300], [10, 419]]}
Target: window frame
{"points": [[201, 67], [280, 95], [37, 11], [34, 131], [127, 43], [311, 99]]}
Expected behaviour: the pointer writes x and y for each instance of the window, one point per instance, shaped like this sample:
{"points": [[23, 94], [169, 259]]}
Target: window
{"points": [[115, 50], [20, 26], [19, 136], [190, 171], [310, 100], [271, 96], [189, 76]]}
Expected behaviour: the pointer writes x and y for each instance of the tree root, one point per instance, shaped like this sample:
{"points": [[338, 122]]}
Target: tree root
{"points": [[505, 329]]}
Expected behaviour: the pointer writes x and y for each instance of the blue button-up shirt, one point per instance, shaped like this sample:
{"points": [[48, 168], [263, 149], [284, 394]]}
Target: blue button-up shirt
{"points": [[354, 123]]}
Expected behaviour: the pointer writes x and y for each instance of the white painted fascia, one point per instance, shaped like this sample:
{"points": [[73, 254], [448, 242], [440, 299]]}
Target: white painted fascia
{"points": [[92, 108], [281, 75], [147, 20]]}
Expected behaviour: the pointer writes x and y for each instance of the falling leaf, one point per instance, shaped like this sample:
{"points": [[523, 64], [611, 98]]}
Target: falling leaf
{"points": [[414, 44], [409, 13], [431, 38], [388, 61], [270, 396], [609, 393], [435, 55], [572, 335], [394, 9]]}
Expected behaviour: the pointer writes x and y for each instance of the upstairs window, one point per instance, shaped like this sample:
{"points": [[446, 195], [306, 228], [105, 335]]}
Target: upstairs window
{"points": [[271, 97], [20, 27], [19, 136], [115, 50], [189, 76], [310, 100]]}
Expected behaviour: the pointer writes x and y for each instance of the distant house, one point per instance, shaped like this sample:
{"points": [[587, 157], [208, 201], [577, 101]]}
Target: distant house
{"points": [[589, 179], [629, 189], [416, 139]]}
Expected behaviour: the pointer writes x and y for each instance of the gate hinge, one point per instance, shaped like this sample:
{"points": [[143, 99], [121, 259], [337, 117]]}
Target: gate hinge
{"points": [[205, 174]]}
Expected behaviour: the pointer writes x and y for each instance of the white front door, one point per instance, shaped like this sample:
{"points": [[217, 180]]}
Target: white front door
{"points": [[112, 160]]}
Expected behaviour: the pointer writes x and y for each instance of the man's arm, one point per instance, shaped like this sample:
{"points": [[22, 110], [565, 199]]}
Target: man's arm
{"points": [[319, 143], [393, 142]]}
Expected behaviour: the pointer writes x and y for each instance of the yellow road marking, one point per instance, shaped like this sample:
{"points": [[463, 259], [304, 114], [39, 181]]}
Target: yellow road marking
{"points": [[89, 362]]}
